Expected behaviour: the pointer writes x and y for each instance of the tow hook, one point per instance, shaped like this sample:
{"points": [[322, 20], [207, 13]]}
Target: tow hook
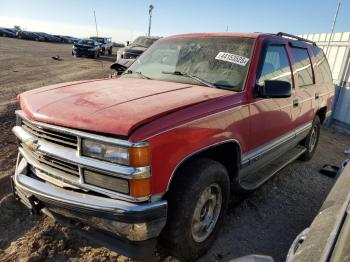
{"points": [[36, 205]]}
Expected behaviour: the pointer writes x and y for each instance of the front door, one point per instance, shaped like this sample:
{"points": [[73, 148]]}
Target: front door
{"points": [[271, 121]]}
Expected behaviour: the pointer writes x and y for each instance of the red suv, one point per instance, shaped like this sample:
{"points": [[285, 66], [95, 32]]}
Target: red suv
{"points": [[156, 154]]}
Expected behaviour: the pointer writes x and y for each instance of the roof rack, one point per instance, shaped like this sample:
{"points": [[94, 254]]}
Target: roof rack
{"points": [[295, 37]]}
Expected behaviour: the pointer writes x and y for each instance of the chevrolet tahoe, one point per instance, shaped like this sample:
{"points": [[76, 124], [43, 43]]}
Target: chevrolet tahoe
{"points": [[155, 155]]}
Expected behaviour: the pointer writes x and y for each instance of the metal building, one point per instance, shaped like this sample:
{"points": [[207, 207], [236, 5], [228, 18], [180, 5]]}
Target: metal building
{"points": [[337, 50]]}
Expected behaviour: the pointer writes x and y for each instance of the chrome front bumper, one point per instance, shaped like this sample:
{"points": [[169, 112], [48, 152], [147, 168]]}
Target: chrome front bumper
{"points": [[49, 178], [133, 222]]}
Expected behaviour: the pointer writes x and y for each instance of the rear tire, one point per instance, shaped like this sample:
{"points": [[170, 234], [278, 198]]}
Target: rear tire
{"points": [[311, 141], [110, 51], [197, 203]]}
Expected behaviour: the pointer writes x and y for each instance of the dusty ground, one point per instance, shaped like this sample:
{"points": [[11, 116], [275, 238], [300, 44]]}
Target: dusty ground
{"points": [[26, 65], [265, 222]]}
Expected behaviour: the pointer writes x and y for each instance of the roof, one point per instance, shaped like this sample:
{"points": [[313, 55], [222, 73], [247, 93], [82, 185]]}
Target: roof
{"points": [[280, 35], [224, 34]]}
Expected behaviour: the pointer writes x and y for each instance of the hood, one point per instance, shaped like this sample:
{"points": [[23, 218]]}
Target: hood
{"points": [[134, 49], [114, 106], [83, 46]]}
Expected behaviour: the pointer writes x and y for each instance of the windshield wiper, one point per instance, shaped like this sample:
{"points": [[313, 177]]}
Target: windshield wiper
{"points": [[178, 73], [138, 73]]}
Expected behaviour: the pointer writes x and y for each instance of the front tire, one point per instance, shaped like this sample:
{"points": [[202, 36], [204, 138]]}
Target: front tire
{"points": [[311, 141], [197, 204]]}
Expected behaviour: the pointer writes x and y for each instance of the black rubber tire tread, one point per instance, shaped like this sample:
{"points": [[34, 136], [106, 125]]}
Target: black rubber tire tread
{"points": [[193, 178], [309, 154]]}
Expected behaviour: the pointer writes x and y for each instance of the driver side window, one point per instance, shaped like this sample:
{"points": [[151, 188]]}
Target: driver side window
{"points": [[276, 65]]}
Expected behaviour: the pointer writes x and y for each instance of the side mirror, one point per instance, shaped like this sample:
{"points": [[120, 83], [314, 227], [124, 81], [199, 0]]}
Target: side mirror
{"points": [[122, 65], [275, 89]]}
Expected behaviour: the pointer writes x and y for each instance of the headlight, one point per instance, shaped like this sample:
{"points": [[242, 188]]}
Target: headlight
{"points": [[133, 156], [104, 151]]}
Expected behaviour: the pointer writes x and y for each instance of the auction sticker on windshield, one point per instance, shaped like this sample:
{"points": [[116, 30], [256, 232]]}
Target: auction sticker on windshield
{"points": [[232, 58]]}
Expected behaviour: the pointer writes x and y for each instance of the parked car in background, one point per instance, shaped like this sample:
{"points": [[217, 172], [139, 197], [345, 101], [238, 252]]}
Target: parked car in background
{"points": [[27, 35], [156, 154], [71, 39], [7, 32], [49, 38], [105, 44], [136, 48], [64, 39], [118, 45], [86, 47]]}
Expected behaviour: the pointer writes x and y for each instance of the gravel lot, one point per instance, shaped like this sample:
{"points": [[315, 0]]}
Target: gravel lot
{"points": [[266, 222]]}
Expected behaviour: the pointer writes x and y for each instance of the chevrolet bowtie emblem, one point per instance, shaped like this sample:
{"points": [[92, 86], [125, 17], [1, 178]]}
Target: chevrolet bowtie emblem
{"points": [[32, 144]]}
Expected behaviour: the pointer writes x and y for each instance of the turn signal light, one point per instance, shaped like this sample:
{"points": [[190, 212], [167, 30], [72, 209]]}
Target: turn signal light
{"points": [[140, 187], [139, 156]]}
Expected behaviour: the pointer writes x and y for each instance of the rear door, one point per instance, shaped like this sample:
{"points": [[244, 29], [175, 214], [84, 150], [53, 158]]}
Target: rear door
{"points": [[305, 95]]}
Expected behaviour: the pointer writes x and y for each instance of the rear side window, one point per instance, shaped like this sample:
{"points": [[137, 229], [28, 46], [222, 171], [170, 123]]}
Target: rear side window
{"points": [[275, 65], [322, 64], [303, 66]]}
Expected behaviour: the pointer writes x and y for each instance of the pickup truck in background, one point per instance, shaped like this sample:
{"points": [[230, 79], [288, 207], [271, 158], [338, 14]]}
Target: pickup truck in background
{"points": [[157, 153], [106, 45], [136, 48]]}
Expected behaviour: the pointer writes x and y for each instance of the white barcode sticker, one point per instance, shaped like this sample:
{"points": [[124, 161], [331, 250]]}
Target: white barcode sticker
{"points": [[232, 58]]}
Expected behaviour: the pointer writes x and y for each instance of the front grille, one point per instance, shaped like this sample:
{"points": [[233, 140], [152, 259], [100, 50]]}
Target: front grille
{"points": [[50, 135], [55, 163]]}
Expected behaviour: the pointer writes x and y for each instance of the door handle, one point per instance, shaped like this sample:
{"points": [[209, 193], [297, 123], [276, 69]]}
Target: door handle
{"points": [[295, 103], [317, 96]]}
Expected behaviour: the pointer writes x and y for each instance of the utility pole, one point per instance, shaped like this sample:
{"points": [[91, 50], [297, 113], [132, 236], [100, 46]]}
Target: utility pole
{"points": [[151, 7], [333, 26], [96, 24]]}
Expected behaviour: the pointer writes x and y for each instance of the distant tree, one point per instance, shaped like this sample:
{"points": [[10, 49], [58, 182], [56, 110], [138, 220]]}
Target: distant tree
{"points": [[17, 27]]}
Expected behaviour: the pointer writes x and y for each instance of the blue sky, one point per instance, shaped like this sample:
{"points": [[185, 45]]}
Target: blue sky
{"points": [[124, 20]]}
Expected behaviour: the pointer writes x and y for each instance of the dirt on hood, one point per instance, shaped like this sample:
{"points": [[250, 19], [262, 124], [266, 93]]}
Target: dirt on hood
{"points": [[129, 102]]}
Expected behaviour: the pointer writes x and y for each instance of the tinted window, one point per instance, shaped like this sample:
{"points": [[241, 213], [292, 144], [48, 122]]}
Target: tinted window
{"points": [[322, 64], [275, 66], [303, 66]]}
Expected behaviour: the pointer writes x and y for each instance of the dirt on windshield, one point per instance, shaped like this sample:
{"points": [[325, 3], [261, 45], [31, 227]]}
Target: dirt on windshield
{"points": [[265, 223]]}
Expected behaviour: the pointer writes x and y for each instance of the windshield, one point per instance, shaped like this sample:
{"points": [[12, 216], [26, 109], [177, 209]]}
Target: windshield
{"points": [[98, 39], [144, 41], [220, 62], [86, 42]]}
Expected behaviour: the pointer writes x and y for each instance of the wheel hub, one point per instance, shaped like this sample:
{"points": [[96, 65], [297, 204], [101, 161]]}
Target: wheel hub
{"points": [[206, 212], [313, 139]]}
